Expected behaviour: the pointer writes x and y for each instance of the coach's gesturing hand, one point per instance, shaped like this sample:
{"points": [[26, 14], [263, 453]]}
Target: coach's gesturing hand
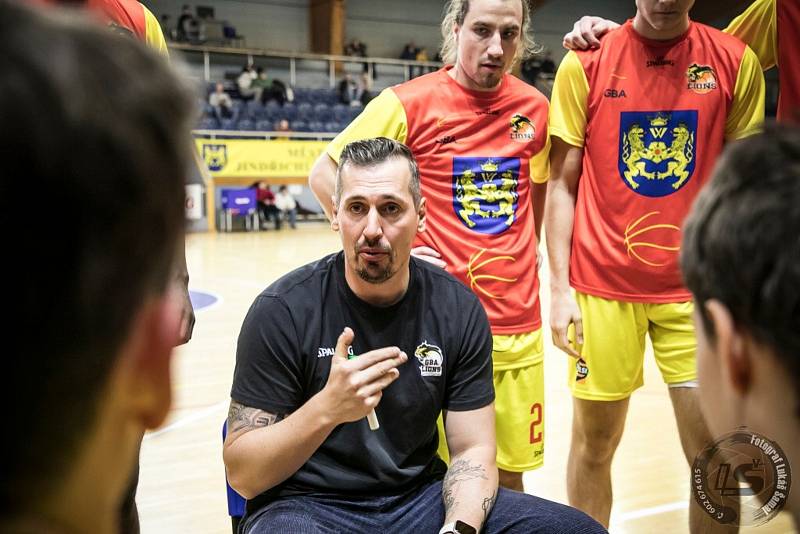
{"points": [[355, 386]]}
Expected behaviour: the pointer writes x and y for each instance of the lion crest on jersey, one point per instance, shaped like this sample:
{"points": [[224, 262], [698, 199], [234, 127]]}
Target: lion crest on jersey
{"points": [[657, 150], [215, 157], [522, 129], [430, 359], [485, 196], [701, 78]]}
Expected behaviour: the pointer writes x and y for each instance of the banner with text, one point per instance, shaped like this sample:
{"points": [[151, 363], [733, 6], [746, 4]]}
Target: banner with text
{"points": [[259, 158]]}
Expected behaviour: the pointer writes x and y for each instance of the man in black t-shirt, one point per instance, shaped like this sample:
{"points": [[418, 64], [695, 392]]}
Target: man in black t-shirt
{"points": [[371, 328]]}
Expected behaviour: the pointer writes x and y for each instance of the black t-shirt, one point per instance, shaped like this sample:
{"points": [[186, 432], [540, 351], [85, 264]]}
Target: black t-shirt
{"points": [[284, 354]]}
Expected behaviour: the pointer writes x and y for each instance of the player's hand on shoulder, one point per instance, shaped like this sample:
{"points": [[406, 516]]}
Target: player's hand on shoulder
{"points": [[563, 312], [430, 255], [587, 32], [355, 384]]}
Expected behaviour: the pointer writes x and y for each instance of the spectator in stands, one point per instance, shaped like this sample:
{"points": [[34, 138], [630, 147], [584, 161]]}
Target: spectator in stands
{"points": [[262, 85], [348, 91], [266, 205], [548, 65], [364, 93], [287, 207], [531, 68], [167, 29], [359, 49], [283, 126], [245, 83], [188, 28], [422, 55], [222, 103], [281, 92], [409, 51]]}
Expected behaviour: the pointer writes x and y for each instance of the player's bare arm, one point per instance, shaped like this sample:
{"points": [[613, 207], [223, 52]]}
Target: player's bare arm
{"points": [[566, 163], [322, 181]]}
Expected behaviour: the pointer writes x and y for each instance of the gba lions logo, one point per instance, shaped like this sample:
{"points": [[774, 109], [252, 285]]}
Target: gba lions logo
{"points": [[430, 359], [657, 150], [485, 193], [215, 157], [702, 78], [522, 129]]}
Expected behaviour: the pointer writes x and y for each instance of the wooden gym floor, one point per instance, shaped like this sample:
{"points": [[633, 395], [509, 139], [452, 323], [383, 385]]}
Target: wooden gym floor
{"points": [[182, 486]]}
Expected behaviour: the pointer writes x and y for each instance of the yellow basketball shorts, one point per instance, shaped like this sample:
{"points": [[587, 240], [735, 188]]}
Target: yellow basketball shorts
{"points": [[612, 355], [518, 361]]}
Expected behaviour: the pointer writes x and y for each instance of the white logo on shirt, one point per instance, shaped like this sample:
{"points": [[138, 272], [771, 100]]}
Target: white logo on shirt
{"points": [[430, 359], [326, 352]]}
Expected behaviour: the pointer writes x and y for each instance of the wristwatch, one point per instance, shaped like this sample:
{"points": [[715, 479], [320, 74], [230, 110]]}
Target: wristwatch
{"points": [[458, 527]]}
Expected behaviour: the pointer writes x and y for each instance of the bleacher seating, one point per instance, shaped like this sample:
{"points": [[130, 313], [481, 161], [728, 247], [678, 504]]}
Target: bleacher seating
{"points": [[313, 110], [245, 125]]}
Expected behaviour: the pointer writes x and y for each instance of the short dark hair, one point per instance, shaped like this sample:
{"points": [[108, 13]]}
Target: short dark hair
{"points": [[370, 152], [96, 149], [741, 243]]}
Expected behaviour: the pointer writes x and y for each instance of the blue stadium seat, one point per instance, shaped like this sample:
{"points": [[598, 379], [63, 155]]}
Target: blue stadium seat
{"points": [[228, 124], [301, 94], [341, 113], [323, 113], [288, 111], [334, 127], [316, 126], [273, 112], [254, 109], [317, 95], [305, 112], [332, 97], [299, 126], [355, 111], [208, 123], [245, 125], [264, 125]]}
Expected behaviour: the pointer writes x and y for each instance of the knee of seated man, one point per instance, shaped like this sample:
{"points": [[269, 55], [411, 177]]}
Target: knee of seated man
{"points": [[282, 519], [517, 512]]}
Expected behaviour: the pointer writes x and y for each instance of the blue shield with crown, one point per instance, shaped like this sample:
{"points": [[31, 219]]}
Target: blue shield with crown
{"points": [[485, 197], [657, 150]]}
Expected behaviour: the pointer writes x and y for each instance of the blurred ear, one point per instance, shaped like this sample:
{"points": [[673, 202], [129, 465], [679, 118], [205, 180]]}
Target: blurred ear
{"points": [[335, 216], [734, 354], [146, 360], [422, 213]]}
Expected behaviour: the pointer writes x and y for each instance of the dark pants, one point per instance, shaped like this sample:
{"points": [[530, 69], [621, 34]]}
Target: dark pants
{"points": [[418, 512], [269, 211]]}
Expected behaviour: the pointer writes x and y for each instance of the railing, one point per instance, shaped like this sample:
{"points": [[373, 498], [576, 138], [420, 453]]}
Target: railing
{"points": [[310, 136], [292, 57]]}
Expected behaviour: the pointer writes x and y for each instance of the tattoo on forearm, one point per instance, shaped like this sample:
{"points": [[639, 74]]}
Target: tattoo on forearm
{"points": [[459, 471], [241, 417], [488, 504]]}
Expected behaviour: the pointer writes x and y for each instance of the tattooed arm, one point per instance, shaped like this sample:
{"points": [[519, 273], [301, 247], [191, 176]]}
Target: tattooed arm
{"points": [[263, 449], [470, 485]]}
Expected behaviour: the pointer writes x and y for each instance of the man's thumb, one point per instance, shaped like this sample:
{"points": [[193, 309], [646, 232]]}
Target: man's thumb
{"points": [[344, 342]]}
